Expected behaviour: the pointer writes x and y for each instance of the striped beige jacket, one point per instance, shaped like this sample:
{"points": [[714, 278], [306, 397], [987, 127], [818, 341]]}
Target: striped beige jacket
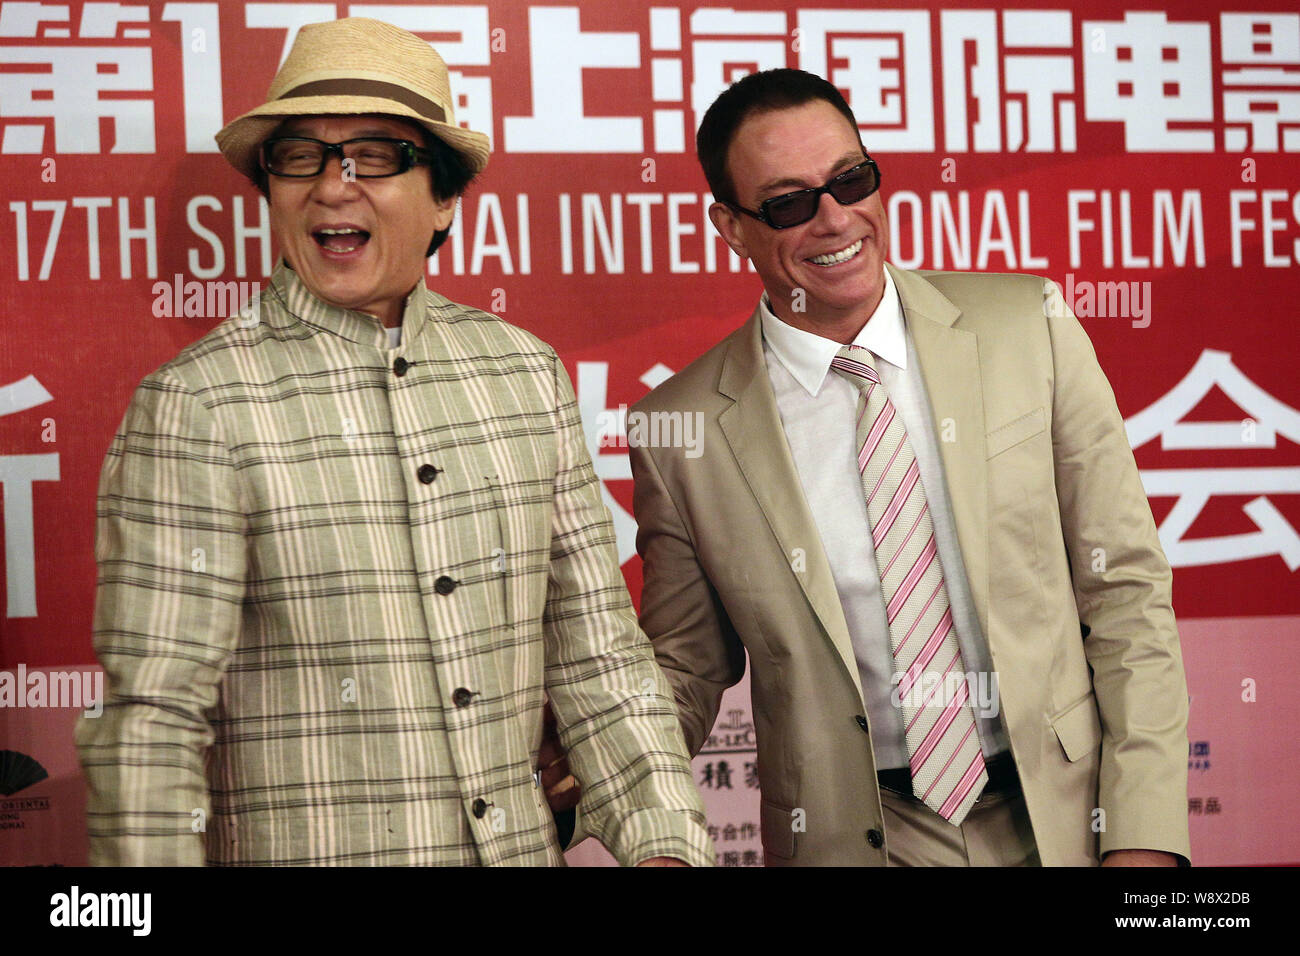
{"points": [[336, 580]]}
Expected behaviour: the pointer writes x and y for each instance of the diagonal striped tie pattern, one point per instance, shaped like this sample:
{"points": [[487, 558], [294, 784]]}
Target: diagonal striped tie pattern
{"points": [[943, 748]]}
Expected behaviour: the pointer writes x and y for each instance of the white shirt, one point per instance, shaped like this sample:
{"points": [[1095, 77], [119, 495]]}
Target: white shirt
{"points": [[818, 412]]}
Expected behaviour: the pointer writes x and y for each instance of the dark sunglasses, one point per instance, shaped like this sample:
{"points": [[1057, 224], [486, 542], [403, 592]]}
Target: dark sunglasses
{"points": [[794, 209], [372, 157]]}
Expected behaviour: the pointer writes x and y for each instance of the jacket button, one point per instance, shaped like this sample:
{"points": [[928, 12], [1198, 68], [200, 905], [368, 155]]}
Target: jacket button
{"points": [[400, 365], [427, 474], [862, 721], [479, 807], [445, 585], [462, 696], [875, 838]]}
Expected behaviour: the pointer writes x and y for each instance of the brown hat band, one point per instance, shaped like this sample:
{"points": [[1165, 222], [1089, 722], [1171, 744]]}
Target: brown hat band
{"points": [[376, 88]]}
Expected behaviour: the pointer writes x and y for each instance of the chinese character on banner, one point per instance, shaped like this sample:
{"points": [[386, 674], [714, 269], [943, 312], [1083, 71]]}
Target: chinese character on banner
{"points": [[63, 82], [667, 86], [559, 51], [1150, 74], [1193, 487], [17, 473], [729, 44], [1261, 88], [1026, 86], [886, 72]]}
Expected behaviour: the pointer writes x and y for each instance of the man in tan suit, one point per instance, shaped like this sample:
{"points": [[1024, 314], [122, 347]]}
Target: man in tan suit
{"points": [[1025, 556]]}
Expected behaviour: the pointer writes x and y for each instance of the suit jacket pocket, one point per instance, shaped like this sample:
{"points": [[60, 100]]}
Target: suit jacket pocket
{"points": [[777, 827], [1078, 727], [1014, 432]]}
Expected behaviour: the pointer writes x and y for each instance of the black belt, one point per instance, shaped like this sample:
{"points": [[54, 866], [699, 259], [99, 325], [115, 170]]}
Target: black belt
{"points": [[1001, 770]]}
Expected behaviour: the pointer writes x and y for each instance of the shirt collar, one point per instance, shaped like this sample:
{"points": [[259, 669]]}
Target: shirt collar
{"points": [[359, 327], [808, 356]]}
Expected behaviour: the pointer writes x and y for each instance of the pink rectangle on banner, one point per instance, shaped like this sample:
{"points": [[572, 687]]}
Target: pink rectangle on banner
{"points": [[1243, 776], [43, 823]]}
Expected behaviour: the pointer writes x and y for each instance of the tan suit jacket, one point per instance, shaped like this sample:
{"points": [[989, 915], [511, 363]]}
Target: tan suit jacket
{"points": [[1058, 542]]}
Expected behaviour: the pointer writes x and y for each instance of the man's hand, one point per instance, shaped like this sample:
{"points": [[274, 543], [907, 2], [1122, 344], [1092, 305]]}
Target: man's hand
{"points": [[662, 861], [1139, 858], [562, 789]]}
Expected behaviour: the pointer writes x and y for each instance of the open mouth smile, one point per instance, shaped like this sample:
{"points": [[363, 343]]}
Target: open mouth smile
{"points": [[341, 240], [835, 258]]}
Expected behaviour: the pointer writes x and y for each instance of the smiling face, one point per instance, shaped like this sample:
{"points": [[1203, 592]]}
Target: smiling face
{"points": [[836, 258], [357, 244]]}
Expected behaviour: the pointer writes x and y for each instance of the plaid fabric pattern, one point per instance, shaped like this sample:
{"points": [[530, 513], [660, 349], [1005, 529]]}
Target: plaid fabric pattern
{"points": [[331, 598]]}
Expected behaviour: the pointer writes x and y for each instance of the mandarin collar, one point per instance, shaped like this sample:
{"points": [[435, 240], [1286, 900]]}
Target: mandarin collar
{"points": [[359, 327]]}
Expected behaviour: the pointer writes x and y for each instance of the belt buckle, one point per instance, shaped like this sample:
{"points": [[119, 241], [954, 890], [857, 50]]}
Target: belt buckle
{"points": [[882, 777], [1003, 779]]}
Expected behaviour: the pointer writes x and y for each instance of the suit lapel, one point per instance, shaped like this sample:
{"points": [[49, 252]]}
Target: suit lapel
{"points": [[951, 371], [752, 427]]}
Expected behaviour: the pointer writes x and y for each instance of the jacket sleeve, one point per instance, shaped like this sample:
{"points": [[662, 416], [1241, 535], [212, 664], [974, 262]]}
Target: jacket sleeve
{"points": [[613, 707], [170, 551], [693, 637], [1123, 590]]}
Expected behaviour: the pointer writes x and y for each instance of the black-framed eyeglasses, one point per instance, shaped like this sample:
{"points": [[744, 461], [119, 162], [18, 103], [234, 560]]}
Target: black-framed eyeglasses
{"points": [[794, 209], [371, 157]]}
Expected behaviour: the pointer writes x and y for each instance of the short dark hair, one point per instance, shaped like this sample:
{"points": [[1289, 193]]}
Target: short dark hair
{"points": [[449, 173], [451, 176], [756, 93]]}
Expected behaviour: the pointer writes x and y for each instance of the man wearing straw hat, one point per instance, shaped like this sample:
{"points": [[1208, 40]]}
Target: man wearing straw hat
{"points": [[350, 542]]}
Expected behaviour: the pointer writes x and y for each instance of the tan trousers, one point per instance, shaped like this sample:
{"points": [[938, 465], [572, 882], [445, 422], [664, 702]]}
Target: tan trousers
{"points": [[996, 832]]}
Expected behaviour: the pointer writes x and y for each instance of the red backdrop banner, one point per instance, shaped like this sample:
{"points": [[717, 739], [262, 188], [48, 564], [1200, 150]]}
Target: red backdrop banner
{"points": [[1146, 159]]}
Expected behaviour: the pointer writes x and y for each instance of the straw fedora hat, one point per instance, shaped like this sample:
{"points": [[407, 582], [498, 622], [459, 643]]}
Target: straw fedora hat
{"points": [[353, 66]]}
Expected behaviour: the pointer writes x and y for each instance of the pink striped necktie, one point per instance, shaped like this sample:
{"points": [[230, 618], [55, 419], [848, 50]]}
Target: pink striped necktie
{"points": [[942, 745]]}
